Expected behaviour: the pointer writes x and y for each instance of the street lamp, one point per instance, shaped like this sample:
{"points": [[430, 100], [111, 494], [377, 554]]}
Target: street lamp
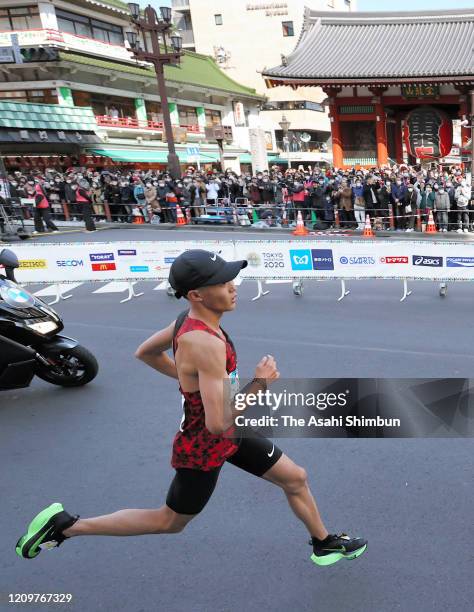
{"points": [[285, 126], [159, 56]]}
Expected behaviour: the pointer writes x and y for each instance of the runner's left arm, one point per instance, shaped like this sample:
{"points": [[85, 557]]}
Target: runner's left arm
{"points": [[153, 352]]}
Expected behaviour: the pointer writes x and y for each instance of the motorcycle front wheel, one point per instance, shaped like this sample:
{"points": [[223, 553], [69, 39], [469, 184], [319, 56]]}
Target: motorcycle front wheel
{"points": [[72, 367]]}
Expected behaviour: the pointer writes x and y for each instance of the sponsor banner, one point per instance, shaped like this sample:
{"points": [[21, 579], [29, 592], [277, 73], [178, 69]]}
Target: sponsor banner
{"points": [[460, 262], [51, 263], [267, 259], [32, 264], [101, 257], [103, 267]]}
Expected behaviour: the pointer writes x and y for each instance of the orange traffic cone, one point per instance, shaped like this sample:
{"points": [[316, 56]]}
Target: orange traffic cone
{"points": [[284, 218], [431, 227], [300, 227], [180, 220], [188, 216], [368, 232]]}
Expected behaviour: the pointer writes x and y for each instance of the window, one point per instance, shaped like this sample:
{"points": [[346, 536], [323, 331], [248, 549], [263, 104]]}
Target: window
{"points": [[44, 96], [187, 115], [92, 28], [20, 18], [288, 28], [213, 118], [155, 111], [218, 19]]}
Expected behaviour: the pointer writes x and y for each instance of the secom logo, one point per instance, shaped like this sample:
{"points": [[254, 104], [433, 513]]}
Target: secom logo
{"points": [[300, 259], [70, 263]]}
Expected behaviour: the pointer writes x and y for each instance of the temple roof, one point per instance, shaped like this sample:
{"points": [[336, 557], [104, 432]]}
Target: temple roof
{"points": [[379, 45]]}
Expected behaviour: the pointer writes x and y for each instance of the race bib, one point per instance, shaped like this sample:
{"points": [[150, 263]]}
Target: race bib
{"points": [[234, 382]]}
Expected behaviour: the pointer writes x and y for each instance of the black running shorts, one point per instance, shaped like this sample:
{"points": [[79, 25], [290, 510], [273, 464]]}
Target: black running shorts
{"points": [[191, 489]]}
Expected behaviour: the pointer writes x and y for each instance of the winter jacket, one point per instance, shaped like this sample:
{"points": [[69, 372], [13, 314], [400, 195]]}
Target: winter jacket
{"points": [[462, 196]]}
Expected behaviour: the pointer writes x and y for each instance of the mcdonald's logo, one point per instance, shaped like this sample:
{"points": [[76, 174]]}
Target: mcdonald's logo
{"points": [[103, 267]]}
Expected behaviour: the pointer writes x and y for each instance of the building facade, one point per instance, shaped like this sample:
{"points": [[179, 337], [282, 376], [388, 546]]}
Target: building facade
{"points": [[74, 55], [398, 84], [248, 36]]}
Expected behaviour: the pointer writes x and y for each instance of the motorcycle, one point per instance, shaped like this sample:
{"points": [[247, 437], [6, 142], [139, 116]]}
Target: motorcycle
{"points": [[30, 339]]}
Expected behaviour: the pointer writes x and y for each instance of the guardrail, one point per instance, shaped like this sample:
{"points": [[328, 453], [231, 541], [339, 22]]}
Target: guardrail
{"points": [[136, 124]]}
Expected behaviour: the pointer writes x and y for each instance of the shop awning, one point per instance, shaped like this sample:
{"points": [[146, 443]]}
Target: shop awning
{"points": [[152, 157], [246, 158]]}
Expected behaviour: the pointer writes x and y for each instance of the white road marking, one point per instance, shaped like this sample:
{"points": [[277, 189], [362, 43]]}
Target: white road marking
{"points": [[52, 290], [114, 287], [162, 286]]}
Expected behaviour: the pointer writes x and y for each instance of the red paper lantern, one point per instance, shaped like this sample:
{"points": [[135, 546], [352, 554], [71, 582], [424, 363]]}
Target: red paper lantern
{"points": [[428, 133]]}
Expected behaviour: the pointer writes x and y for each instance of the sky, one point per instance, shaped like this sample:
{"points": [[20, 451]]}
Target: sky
{"points": [[376, 5]]}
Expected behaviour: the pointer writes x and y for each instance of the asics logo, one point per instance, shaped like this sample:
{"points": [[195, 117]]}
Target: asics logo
{"points": [[303, 260], [214, 257], [273, 450]]}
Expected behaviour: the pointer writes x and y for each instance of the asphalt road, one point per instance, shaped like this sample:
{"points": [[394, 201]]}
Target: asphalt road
{"points": [[107, 447]]}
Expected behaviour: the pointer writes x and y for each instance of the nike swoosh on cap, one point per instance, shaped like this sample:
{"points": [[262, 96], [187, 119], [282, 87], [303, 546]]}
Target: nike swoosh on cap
{"points": [[273, 450]]}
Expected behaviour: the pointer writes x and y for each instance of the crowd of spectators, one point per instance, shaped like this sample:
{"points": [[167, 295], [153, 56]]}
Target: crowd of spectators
{"points": [[394, 197]]}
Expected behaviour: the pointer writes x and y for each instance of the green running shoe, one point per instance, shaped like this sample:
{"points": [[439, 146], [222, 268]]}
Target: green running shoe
{"points": [[45, 531], [337, 547]]}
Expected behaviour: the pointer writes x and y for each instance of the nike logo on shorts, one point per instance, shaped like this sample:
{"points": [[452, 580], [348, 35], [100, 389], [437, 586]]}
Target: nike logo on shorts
{"points": [[215, 257], [273, 450]]}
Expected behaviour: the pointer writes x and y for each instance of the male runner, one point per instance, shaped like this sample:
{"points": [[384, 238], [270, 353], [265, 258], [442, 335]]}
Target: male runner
{"points": [[204, 358]]}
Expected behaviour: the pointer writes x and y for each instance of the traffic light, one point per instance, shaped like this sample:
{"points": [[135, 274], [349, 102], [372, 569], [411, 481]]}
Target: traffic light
{"points": [[39, 54]]}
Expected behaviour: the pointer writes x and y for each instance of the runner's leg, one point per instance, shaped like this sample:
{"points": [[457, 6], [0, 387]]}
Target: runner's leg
{"points": [[293, 480], [261, 457], [189, 492]]}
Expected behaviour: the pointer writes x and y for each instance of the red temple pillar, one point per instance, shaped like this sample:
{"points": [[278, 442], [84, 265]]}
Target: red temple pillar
{"points": [[398, 141], [464, 114], [337, 147], [381, 134]]}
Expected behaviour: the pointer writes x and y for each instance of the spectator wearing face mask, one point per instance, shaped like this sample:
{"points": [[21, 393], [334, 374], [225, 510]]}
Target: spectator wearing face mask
{"points": [[453, 213], [399, 190], [384, 194], [345, 206], [198, 195], [42, 212], [359, 203], [152, 203], [410, 208], [267, 191], [97, 196], [70, 196], [84, 200], [212, 189], [370, 198], [113, 197], [462, 196], [441, 206], [139, 196]]}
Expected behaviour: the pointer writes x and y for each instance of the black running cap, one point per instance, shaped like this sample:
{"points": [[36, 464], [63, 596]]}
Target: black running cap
{"points": [[198, 268]]}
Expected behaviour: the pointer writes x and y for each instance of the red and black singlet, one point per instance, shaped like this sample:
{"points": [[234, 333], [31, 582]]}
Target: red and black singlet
{"points": [[194, 445]]}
